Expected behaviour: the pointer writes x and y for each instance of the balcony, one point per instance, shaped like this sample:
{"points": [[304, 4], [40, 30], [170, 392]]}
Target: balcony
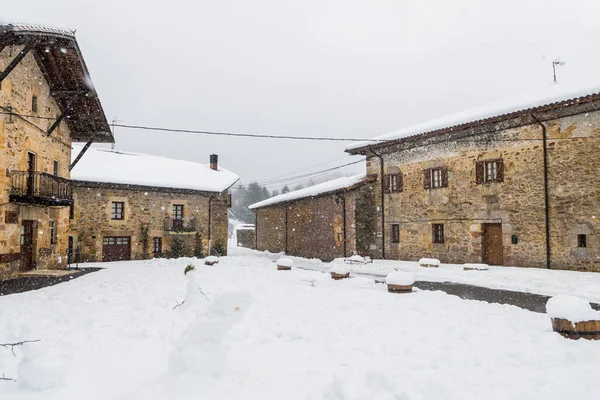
{"points": [[40, 188], [174, 225]]}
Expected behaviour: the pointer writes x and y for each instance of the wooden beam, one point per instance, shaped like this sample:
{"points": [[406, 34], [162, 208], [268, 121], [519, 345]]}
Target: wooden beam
{"points": [[81, 153], [16, 61]]}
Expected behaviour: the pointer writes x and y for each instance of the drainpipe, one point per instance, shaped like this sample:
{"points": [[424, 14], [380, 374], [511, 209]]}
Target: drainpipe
{"points": [[546, 197], [210, 199], [286, 228], [344, 218], [382, 202], [256, 230]]}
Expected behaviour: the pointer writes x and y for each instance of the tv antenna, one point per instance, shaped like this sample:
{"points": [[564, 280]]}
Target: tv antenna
{"points": [[557, 64]]}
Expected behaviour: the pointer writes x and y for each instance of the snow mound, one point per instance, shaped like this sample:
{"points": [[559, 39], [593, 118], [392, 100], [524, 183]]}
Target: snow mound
{"points": [[356, 258], [572, 308], [39, 369], [429, 261], [285, 262], [478, 267], [338, 269], [212, 259], [400, 278]]}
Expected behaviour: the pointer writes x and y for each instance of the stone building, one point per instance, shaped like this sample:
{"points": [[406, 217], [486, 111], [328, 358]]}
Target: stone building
{"points": [[245, 236], [130, 206], [326, 221], [47, 101], [511, 184]]}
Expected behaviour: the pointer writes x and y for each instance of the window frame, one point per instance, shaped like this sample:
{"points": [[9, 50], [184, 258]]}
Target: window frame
{"points": [[482, 168], [178, 215], [114, 211], [429, 175], [395, 233], [156, 249], [56, 167], [437, 233], [393, 183], [581, 241], [53, 232], [34, 103]]}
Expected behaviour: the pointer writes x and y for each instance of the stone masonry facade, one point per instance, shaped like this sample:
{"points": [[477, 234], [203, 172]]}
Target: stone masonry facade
{"points": [[314, 227], [465, 204], [147, 214], [17, 138]]}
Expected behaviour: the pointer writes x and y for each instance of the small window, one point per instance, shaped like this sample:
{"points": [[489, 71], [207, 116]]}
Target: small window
{"points": [[53, 232], [438, 233], [72, 211], [177, 216], [118, 210], [395, 233], [229, 201], [11, 217], [339, 237], [489, 171], [157, 245], [393, 183], [108, 241], [55, 167], [581, 240], [34, 103], [434, 178]]}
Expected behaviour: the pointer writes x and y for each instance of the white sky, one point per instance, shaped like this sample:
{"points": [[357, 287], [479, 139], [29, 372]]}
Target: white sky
{"points": [[344, 68]]}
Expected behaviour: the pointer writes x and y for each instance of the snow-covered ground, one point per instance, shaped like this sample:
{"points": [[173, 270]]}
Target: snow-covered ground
{"points": [[585, 285], [115, 334]]}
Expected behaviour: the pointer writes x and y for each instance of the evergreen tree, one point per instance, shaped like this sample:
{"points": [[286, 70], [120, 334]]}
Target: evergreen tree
{"points": [[285, 189]]}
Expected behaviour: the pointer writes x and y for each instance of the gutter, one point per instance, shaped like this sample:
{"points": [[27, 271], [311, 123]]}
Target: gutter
{"points": [[382, 201], [546, 196]]}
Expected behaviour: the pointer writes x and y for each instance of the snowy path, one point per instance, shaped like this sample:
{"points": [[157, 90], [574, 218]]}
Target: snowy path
{"points": [[108, 335]]}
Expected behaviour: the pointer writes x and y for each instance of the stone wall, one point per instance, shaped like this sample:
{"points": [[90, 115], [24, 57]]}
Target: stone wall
{"points": [[19, 136], [517, 202], [315, 226], [148, 214], [246, 238]]}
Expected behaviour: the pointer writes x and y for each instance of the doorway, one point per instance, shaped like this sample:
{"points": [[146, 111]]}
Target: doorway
{"points": [[27, 245], [492, 244]]}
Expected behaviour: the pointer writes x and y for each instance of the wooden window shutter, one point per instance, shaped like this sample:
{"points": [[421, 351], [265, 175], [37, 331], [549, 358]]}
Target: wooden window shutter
{"points": [[479, 171], [444, 177], [400, 186], [500, 173], [427, 178], [386, 184]]}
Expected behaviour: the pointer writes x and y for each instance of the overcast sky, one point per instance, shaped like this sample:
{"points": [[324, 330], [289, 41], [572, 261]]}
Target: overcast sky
{"points": [[343, 68]]}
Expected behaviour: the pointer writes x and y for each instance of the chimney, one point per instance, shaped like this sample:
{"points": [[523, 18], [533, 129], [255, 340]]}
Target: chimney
{"points": [[214, 161]]}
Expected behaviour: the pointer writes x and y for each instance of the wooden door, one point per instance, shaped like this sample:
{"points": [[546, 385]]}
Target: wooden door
{"points": [[31, 173], [27, 246], [116, 248], [492, 244]]}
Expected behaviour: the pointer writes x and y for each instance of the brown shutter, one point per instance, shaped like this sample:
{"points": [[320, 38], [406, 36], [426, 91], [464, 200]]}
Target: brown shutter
{"points": [[479, 171], [432, 233], [400, 182], [500, 176], [444, 177], [427, 178], [386, 184]]}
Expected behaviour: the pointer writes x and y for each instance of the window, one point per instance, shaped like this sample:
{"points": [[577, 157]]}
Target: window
{"points": [[393, 183], [229, 201], [117, 210], [11, 217], [395, 233], [581, 240], [72, 211], [55, 167], [34, 103], [157, 245], [53, 232], [438, 233], [177, 216], [434, 178], [489, 171]]}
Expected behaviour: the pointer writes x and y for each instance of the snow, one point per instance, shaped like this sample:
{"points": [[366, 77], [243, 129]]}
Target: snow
{"points": [[212, 259], [429, 261], [112, 166], [18, 24], [478, 267], [338, 269], [551, 94], [356, 258], [114, 334], [316, 190], [572, 308], [400, 278], [285, 262]]}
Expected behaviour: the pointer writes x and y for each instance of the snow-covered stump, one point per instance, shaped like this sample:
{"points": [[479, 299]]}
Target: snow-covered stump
{"points": [[476, 267], [400, 282], [338, 272], [429, 263], [284, 264], [573, 318], [211, 260]]}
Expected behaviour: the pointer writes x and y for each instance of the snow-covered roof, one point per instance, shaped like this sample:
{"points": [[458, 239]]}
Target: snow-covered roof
{"points": [[312, 191], [113, 166], [556, 93], [11, 24]]}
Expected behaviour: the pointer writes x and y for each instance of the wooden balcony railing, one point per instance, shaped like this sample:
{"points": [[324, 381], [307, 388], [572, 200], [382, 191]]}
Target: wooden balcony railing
{"points": [[40, 188]]}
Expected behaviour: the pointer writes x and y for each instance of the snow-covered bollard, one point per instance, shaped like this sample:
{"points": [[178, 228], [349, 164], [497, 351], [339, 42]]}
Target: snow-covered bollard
{"points": [[338, 272], [400, 282], [211, 260], [284, 264], [573, 317], [429, 262], [476, 267]]}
